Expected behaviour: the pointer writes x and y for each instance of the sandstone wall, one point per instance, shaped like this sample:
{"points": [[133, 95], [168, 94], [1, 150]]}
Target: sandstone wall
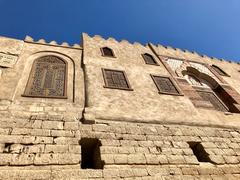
{"points": [[142, 134], [48, 148], [144, 103], [14, 80]]}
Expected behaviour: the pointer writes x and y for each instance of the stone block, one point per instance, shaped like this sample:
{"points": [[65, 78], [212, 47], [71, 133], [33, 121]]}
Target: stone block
{"points": [[66, 140], [125, 173], [126, 150], [176, 159], [37, 148], [136, 159], [152, 159], [17, 148], [22, 159], [75, 149], [52, 125], [111, 173], [109, 150], [46, 159], [231, 159], [43, 140], [162, 159], [189, 171], [121, 159], [68, 158], [49, 148], [62, 133], [139, 172], [217, 159], [191, 159], [5, 159], [109, 159], [71, 125]]}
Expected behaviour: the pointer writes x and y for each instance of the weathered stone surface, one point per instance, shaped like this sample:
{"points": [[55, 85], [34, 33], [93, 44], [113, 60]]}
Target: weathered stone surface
{"points": [[142, 134]]}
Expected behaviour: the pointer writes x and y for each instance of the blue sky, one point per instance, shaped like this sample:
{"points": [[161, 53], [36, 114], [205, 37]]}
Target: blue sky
{"points": [[210, 27]]}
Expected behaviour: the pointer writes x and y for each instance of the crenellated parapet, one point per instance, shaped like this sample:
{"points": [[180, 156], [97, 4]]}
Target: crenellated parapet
{"points": [[186, 54], [29, 39]]}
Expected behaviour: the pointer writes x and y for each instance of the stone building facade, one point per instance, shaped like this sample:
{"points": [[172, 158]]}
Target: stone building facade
{"points": [[114, 110]]}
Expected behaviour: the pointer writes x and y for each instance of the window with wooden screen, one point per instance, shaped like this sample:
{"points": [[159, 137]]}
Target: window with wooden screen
{"points": [[106, 51], [115, 79], [219, 70], [213, 99], [47, 78], [149, 59], [165, 85]]}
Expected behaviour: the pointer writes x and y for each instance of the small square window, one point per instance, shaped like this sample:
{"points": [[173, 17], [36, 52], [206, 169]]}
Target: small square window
{"points": [[106, 51], [166, 85], [149, 59], [115, 79]]}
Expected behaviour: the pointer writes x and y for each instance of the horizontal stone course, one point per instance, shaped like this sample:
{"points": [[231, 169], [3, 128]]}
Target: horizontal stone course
{"points": [[147, 153]]}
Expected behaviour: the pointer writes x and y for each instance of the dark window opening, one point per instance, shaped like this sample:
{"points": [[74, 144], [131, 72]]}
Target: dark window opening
{"points": [[219, 70], [107, 52], [149, 59], [165, 85], [116, 79], [90, 151], [199, 152]]}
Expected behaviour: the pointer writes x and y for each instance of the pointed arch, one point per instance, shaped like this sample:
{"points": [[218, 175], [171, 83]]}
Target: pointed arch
{"points": [[149, 59], [106, 51], [219, 70], [206, 87], [47, 78]]}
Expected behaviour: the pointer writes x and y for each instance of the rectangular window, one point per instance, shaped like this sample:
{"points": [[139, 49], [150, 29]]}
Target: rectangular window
{"points": [[166, 85], [115, 79], [213, 99]]}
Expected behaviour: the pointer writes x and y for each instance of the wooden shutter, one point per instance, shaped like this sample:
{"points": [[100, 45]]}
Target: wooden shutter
{"points": [[47, 78], [165, 85], [115, 79], [211, 97]]}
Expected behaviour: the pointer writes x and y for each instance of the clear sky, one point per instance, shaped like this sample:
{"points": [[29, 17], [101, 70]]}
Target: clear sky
{"points": [[210, 27]]}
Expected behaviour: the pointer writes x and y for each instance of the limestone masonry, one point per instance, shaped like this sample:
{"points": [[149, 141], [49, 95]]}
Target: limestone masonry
{"points": [[114, 110]]}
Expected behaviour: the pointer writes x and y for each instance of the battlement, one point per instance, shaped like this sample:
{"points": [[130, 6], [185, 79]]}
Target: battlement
{"points": [[52, 43]]}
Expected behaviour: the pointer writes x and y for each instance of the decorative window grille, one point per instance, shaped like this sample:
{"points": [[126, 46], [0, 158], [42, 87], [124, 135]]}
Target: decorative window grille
{"points": [[47, 78], [219, 70], [213, 99], [149, 59], [165, 85], [115, 79], [107, 52]]}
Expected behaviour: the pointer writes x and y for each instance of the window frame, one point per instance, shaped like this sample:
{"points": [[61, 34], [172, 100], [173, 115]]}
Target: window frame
{"points": [[206, 90], [222, 72], [27, 86], [113, 87], [103, 54], [180, 93], [155, 64]]}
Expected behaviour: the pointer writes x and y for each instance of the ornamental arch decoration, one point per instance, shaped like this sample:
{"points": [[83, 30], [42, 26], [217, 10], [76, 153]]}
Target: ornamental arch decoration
{"points": [[211, 90], [48, 78]]}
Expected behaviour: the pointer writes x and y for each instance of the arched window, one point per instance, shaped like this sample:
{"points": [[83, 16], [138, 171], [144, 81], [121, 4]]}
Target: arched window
{"points": [[149, 59], [107, 52], [219, 70], [47, 78]]}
